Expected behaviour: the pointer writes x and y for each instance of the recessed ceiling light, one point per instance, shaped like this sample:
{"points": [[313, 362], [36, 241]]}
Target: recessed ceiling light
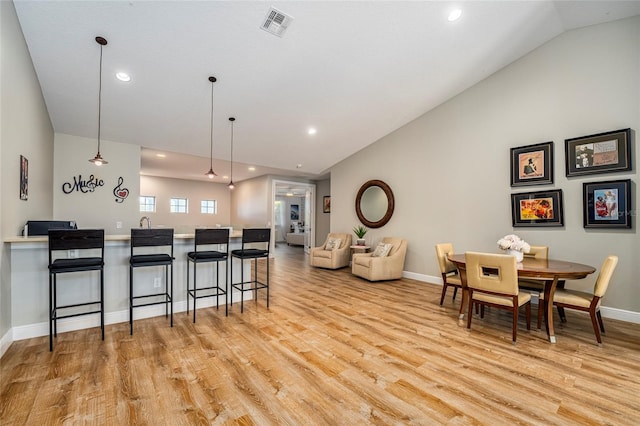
{"points": [[289, 194], [454, 15], [252, 169], [123, 76], [161, 155], [312, 131], [225, 177], [299, 166]]}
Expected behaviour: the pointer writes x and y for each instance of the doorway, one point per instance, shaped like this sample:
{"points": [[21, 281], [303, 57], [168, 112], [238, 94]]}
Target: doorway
{"points": [[293, 213]]}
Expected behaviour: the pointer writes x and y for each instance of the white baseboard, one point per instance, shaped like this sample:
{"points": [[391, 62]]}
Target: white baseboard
{"points": [[6, 341], [89, 321]]}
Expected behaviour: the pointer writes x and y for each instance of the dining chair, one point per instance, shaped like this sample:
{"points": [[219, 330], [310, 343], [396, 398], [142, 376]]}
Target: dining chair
{"points": [[536, 252], [88, 247], [450, 274], [205, 240], [255, 245], [583, 301], [151, 248], [492, 280]]}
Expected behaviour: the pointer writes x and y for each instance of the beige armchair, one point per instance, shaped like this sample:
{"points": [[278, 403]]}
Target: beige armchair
{"points": [[335, 258], [389, 267]]}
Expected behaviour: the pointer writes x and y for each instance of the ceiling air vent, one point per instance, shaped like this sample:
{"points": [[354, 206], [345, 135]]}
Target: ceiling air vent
{"points": [[276, 22]]}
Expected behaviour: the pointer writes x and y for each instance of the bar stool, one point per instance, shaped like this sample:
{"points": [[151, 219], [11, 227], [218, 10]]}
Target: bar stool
{"points": [[148, 238], [252, 237], [89, 241], [208, 237]]}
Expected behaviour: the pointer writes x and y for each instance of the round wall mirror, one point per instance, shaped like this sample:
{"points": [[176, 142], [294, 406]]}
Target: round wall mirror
{"points": [[374, 203]]}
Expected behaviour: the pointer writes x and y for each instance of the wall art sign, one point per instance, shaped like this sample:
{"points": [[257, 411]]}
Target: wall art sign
{"points": [[537, 209], [24, 178], [607, 204], [326, 204], [295, 212], [532, 164], [600, 153], [120, 192], [82, 185]]}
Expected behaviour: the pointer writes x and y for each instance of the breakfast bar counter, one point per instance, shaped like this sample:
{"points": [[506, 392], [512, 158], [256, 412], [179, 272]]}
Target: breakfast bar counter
{"points": [[29, 259]]}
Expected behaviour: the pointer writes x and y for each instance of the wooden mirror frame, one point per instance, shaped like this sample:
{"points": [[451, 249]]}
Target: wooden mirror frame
{"points": [[390, 203]]}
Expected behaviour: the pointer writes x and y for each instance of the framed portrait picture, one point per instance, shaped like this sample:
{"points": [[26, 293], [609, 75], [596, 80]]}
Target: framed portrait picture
{"points": [[295, 212], [532, 164], [326, 204], [607, 204], [601, 153], [24, 178], [537, 209]]}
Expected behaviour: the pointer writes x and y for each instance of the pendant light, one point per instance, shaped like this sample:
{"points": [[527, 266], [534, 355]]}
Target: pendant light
{"points": [[211, 174], [231, 185], [98, 160]]}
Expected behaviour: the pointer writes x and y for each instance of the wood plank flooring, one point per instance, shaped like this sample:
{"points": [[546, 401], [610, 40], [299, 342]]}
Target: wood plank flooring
{"points": [[332, 349]]}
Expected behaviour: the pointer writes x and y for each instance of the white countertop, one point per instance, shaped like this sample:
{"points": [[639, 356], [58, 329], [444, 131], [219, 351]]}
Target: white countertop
{"points": [[123, 237]]}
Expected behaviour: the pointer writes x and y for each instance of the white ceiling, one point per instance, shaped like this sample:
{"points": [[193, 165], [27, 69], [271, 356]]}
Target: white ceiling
{"points": [[356, 71]]}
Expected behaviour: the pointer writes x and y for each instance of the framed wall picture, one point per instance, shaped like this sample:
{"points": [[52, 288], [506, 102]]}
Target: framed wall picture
{"points": [[295, 212], [537, 209], [600, 153], [326, 204], [24, 178], [607, 204], [532, 164]]}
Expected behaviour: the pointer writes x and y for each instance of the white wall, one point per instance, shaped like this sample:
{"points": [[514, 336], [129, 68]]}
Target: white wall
{"points": [[25, 129], [449, 169], [100, 208], [195, 191]]}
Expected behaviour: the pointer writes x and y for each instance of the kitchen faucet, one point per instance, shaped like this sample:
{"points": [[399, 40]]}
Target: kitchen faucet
{"points": [[148, 221]]}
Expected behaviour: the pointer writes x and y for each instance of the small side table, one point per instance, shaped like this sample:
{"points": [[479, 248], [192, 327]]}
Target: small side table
{"points": [[360, 249]]}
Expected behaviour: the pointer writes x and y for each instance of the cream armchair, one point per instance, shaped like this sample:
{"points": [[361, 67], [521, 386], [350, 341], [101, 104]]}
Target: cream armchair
{"points": [[332, 259], [389, 267]]}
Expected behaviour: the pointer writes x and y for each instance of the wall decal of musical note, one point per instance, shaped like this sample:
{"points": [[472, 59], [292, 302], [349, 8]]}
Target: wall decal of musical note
{"points": [[120, 193]]}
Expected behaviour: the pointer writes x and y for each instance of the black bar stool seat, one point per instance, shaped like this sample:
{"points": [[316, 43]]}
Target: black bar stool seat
{"points": [[85, 241], [143, 239], [252, 237], [207, 238]]}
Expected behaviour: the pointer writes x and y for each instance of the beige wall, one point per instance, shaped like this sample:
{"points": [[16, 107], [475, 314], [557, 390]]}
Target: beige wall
{"points": [[195, 191], [323, 220], [25, 129], [250, 202], [449, 169], [97, 209]]}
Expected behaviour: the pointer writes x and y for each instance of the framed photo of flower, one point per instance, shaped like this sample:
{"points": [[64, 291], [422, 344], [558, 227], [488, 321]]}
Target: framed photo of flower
{"points": [[600, 153], [607, 204], [532, 164], [537, 209]]}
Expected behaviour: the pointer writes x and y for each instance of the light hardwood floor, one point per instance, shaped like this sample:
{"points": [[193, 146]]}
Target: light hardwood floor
{"points": [[331, 350]]}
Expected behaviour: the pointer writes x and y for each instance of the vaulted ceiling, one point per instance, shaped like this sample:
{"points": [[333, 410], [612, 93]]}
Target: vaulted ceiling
{"points": [[354, 71]]}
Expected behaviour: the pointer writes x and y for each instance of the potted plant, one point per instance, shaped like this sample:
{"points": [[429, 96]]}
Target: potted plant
{"points": [[360, 232]]}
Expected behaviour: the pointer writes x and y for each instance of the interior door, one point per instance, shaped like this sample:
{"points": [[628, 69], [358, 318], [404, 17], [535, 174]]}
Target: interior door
{"points": [[308, 214]]}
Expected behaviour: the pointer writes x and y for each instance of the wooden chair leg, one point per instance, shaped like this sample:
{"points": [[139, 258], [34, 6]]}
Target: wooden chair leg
{"points": [[444, 293], [563, 316], [600, 321], [596, 328], [528, 313], [541, 307], [469, 314], [455, 291], [514, 325]]}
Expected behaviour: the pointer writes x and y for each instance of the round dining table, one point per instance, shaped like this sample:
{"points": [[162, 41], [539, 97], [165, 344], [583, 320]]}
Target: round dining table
{"points": [[551, 271]]}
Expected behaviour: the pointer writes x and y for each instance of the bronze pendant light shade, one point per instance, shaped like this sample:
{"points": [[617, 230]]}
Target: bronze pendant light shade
{"points": [[211, 174], [98, 160], [231, 185]]}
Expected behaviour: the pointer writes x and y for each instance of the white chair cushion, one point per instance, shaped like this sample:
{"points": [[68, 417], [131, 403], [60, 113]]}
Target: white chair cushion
{"points": [[382, 250], [523, 297], [333, 243]]}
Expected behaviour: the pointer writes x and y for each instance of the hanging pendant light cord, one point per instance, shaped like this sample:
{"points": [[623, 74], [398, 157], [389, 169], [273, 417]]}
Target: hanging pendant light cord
{"points": [[211, 151], [99, 99], [231, 151]]}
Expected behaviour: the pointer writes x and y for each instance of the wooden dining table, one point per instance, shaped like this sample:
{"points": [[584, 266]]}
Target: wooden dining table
{"points": [[551, 271]]}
